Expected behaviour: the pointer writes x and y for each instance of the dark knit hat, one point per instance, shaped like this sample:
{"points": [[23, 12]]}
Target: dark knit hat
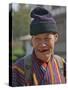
{"points": [[43, 22]]}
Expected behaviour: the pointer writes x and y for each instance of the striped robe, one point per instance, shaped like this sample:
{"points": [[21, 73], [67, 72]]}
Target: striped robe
{"points": [[41, 73]]}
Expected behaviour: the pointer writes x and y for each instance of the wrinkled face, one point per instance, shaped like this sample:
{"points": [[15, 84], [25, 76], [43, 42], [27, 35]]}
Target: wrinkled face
{"points": [[44, 44]]}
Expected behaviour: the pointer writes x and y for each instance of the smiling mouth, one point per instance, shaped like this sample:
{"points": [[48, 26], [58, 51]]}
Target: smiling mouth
{"points": [[45, 50]]}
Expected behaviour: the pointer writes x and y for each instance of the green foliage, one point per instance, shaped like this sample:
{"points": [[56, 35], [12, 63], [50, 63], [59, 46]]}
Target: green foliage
{"points": [[20, 27], [20, 21], [17, 50], [17, 53], [14, 58]]}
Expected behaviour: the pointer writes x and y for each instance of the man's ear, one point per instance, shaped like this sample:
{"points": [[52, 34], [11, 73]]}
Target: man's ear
{"points": [[56, 37], [31, 42]]}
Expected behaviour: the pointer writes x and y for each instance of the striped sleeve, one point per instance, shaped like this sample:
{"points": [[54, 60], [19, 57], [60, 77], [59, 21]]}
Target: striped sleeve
{"points": [[18, 74], [63, 70], [62, 67]]}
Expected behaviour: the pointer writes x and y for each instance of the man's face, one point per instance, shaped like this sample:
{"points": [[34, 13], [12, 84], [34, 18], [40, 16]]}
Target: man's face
{"points": [[44, 44]]}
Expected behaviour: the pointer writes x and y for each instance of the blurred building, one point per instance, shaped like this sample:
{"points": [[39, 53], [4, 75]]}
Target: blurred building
{"points": [[59, 13]]}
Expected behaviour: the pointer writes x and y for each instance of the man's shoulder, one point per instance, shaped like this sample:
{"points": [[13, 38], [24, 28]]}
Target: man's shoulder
{"points": [[61, 64], [24, 60], [59, 58]]}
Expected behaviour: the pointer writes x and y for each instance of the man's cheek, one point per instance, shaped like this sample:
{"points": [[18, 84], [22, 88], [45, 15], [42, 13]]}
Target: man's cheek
{"points": [[51, 44], [35, 46]]}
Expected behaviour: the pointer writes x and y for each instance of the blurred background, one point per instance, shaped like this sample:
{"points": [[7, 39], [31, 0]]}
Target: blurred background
{"points": [[21, 39]]}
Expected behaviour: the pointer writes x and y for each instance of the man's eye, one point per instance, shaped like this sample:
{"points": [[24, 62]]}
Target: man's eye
{"points": [[37, 39], [47, 38]]}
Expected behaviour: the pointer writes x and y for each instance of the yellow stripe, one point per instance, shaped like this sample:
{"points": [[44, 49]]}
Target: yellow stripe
{"points": [[63, 60], [35, 79], [19, 69], [57, 70], [52, 74]]}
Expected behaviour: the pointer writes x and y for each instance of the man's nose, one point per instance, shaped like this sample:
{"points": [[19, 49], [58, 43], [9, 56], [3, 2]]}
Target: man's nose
{"points": [[44, 44]]}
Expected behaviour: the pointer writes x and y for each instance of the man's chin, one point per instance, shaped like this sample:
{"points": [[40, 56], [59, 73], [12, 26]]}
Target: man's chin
{"points": [[45, 58], [46, 54]]}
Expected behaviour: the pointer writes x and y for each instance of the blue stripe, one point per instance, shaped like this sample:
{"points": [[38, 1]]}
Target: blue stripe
{"points": [[36, 71]]}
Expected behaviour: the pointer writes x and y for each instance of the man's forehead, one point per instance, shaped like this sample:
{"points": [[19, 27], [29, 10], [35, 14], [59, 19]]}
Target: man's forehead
{"points": [[43, 35]]}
